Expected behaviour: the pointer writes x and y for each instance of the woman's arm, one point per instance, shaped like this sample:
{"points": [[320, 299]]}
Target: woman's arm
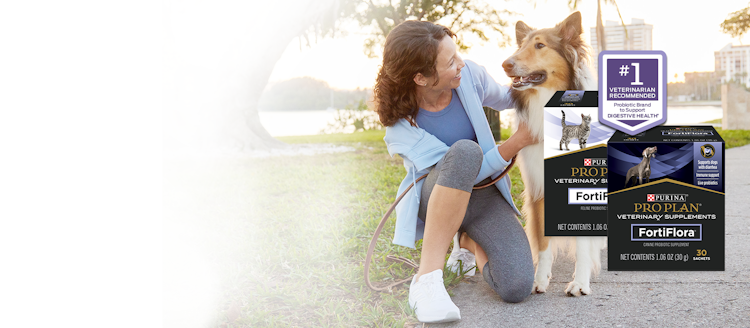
{"points": [[491, 94], [421, 148], [499, 157], [521, 138]]}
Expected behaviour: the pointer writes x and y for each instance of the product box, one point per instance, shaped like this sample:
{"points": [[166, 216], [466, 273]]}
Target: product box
{"points": [[666, 200], [575, 165]]}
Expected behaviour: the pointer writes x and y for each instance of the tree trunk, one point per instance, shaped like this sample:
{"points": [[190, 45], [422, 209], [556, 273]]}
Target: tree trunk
{"points": [[220, 57], [601, 43]]}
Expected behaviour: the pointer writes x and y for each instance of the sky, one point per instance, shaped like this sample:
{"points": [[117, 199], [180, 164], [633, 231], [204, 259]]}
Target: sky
{"points": [[688, 33]]}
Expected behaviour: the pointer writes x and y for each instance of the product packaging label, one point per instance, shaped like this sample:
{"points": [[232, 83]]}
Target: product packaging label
{"points": [[634, 89], [666, 200], [575, 166]]}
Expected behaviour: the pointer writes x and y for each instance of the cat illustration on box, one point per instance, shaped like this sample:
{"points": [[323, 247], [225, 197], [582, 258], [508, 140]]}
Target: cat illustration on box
{"points": [[580, 132]]}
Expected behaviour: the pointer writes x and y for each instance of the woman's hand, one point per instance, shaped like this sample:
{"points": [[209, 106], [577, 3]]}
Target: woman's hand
{"points": [[521, 138], [524, 135]]}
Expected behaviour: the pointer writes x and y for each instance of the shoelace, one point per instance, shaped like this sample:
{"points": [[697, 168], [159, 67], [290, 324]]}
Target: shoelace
{"points": [[434, 287], [463, 263]]}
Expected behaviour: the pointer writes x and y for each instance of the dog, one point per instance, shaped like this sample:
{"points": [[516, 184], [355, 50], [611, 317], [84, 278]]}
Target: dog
{"points": [[643, 169], [549, 60]]}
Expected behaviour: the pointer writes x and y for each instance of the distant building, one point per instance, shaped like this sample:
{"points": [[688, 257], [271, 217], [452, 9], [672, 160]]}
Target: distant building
{"points": [[639, 38], [731, 63], [703, 85]]}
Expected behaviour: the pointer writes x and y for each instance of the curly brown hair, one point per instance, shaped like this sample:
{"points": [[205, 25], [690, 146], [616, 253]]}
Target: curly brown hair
{"points": [[410, 48]]}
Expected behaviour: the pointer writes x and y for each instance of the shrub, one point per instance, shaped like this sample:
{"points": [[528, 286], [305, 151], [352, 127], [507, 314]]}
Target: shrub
{"points": [[354, 118]]}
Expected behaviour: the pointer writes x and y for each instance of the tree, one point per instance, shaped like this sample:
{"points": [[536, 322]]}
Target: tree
{"points": [[220, 57], [463, 17], [222, 53], [737, 23], [600, 38]]}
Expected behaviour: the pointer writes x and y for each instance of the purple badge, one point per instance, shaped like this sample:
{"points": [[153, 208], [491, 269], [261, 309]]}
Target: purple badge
{"points": [[632, 89]]}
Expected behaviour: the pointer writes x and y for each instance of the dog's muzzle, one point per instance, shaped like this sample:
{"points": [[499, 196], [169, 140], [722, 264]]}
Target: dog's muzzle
{"points": [[531, 79], [522, 80]]}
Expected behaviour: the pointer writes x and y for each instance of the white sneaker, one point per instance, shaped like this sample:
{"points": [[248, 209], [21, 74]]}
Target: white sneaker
{"points": [[430, 300], [462, 260]]}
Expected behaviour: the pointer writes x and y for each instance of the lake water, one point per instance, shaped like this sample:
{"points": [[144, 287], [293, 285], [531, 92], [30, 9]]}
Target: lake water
{"points": [[297, 123]]}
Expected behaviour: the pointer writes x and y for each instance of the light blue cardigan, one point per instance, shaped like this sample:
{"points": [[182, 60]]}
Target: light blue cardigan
{"points": [[421, 150]]}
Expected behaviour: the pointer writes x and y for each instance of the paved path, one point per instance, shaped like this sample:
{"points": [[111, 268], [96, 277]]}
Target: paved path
{"points": [[636, 299]]}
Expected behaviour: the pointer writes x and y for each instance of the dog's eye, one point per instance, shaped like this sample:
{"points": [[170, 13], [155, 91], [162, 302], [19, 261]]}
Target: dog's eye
{"points": [[540, 45]]}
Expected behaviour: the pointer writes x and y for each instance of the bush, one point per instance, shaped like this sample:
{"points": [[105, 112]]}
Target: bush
{"points": [[354, 118]]}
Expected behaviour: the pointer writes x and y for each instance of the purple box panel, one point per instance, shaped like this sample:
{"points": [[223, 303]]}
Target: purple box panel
{"points": [[632, 94]]}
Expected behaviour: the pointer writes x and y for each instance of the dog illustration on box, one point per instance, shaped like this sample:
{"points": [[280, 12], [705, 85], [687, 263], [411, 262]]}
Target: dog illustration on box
{"points": [[643, 169], [707, 151]]}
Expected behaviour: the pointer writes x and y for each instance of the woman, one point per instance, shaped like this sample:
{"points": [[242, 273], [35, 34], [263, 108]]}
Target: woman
{"points": [[431, 101]]}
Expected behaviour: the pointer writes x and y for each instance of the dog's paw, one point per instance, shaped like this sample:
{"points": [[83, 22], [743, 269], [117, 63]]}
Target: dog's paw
{"points": [[540, 286], [576, 289]]}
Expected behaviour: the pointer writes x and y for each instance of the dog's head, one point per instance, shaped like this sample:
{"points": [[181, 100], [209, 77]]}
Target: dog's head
{"points": [[547, 58], [649, 152]]}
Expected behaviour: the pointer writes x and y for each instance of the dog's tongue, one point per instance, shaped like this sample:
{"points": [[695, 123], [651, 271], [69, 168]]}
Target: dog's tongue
{"points": [[516, 79]]}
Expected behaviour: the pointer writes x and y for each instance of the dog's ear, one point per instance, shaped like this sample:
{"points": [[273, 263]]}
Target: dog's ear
{"points": [[522, 30], [644, 152], [571, 28]]}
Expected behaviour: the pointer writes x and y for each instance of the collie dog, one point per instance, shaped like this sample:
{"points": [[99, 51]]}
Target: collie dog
{"points": [[549, 60]]}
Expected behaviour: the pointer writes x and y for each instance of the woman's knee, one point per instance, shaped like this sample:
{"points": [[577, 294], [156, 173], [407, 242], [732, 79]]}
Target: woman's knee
{"points": [[510, 289], [516, 292], [460, 165], [513, 283], [466, 148], [468, 153], [522, 279]]}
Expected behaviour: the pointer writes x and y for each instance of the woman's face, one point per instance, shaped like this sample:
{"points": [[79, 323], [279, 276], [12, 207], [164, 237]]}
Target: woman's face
{"points": [[448, 66]]}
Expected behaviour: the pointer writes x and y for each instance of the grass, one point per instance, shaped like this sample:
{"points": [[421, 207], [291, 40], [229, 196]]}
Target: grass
{"points": [[372, 136], [716, 121], [504, 134], [287, 236], [734, 138]]}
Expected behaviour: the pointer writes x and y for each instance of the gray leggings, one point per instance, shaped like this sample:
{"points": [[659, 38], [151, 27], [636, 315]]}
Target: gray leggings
{"points": [[489, 220]]}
